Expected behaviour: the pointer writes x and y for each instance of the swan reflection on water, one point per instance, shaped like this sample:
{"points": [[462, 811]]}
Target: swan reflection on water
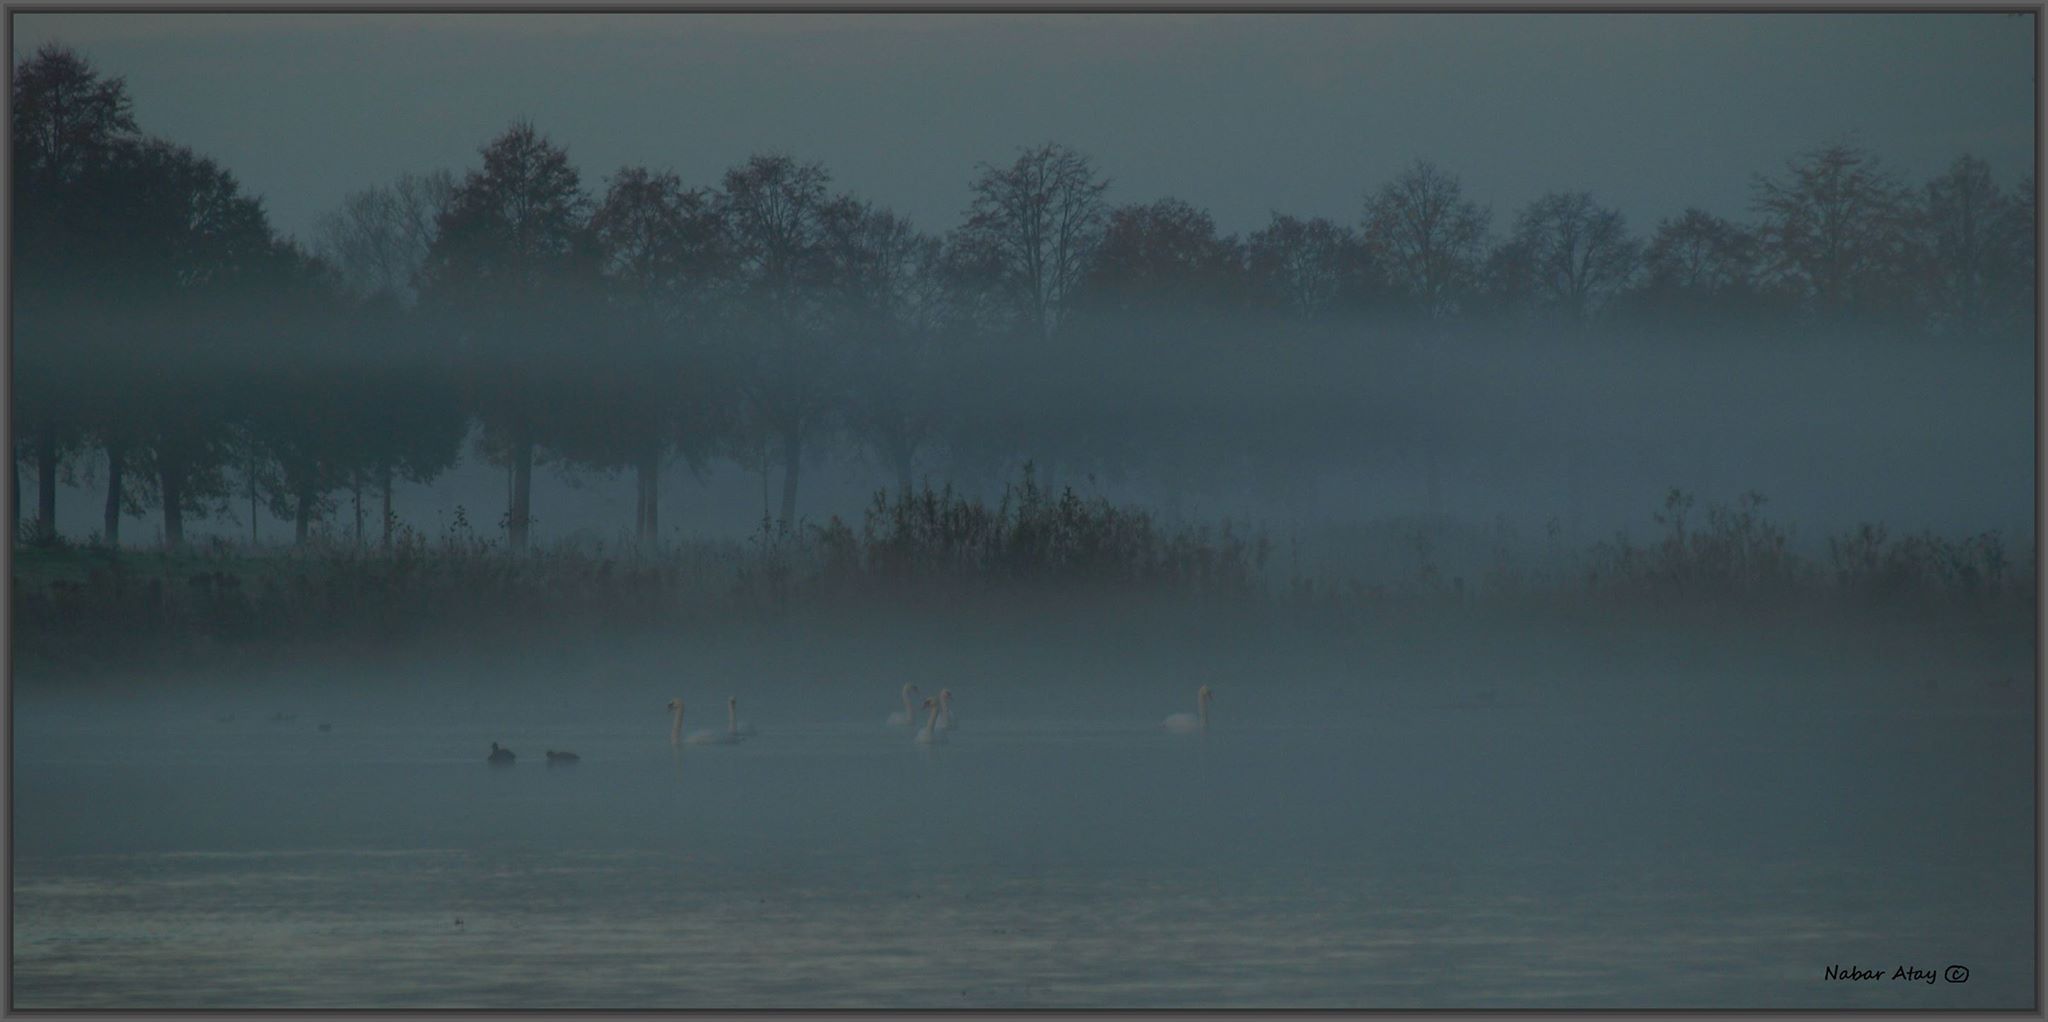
{"points": [[1192, 723], [702, 736]]}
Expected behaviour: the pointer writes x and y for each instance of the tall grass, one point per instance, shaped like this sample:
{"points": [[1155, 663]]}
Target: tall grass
{"points": [[937, 550], [1032, 539]]}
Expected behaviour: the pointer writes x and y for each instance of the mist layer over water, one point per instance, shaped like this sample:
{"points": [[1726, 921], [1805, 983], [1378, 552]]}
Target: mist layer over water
{"points": [[1464, 819]]}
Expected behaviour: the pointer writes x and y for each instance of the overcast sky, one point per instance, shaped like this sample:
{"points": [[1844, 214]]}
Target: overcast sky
{"points": [[1239, 114]]}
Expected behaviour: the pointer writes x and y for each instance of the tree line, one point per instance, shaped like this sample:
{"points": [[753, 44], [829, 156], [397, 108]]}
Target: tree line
{"points": [[169, 339]]}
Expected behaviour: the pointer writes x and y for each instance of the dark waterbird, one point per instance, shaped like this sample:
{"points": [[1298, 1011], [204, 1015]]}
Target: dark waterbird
{"points": [[500, 757], [562, 757]]}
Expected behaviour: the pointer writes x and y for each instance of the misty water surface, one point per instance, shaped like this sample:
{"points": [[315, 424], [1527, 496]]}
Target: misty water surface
{"points": [[1485, 838]]}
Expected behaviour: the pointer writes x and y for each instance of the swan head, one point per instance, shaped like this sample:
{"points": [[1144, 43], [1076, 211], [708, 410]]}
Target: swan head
{"points": [[732, 702], [1203, 695], [675, 705], [945, 695], [927, 704]]}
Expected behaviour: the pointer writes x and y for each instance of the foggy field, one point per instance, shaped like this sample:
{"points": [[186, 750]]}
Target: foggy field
{"points": [[694, 511]]}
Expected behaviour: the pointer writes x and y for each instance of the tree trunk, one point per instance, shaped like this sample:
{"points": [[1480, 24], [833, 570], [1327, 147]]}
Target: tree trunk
{"points": [[46, 481], [764, 478], [522, 486], [355, 482], [649, 513], [16, 493], [1575, 492], [170, 486], [115, 453], [385, 472], [303, 519], [1433, 481], [792, 467], [253, 516], [903, 454]]}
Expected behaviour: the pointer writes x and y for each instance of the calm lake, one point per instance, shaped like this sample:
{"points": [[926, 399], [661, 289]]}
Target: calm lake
{"points": [[1456, 853]]}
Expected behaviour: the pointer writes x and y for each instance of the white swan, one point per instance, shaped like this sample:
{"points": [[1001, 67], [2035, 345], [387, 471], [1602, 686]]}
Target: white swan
{"points": [[1190, 723], [734, 726], [929, 733], [945, 709], [908, 715]]}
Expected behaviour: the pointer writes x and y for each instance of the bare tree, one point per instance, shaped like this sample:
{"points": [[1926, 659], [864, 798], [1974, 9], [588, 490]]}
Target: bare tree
{"points": [[897, 311], [1038, 220], [1163, 257], [1701, 253], [1580, 254], [1834, 229], [1427, 236], [378, 238], [776, 213], [2018, 278], [1970, 236], [1306, 267]]}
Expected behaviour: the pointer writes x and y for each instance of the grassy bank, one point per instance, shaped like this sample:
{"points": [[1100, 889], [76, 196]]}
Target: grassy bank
{"points": [[947, 563]]}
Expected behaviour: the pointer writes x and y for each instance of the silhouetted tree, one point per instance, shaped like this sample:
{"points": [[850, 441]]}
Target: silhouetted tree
{"points": [[377, 239], [1162, 258], [1834, 231], [68, 124], [1307, 269], [376, 244], [655, 385], [1972, 237], [2018, 275], [1579, 254], [1427, 237], [1698, 252], [1510, 282], [204, 272], [895, 309], [777, 214], [1699, 269], [511, 274], [1038, 221]]}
